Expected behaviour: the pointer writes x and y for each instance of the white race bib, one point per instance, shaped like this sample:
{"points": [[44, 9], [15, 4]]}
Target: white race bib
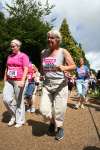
{"points": [[12, 73]]}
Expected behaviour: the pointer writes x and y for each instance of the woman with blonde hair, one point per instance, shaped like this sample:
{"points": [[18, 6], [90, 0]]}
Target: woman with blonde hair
{"points": [[82, 83], [54, 94], [14, 81]]}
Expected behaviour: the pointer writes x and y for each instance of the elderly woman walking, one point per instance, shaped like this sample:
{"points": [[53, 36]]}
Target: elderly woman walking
{"points": [[55, 61], [14, 78], [82, 80]]}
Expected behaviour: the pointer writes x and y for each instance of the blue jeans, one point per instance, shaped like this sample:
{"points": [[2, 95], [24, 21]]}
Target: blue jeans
{"points": [[29, 89]]}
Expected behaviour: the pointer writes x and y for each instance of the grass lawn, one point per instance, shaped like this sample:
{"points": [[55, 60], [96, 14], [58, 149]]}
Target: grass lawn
{"points": [[1, 85], [95, 94]]}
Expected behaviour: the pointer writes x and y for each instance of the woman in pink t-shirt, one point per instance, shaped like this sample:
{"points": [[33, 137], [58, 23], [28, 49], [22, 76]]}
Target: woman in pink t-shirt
{"points": [[29, 88], [15, 78]]}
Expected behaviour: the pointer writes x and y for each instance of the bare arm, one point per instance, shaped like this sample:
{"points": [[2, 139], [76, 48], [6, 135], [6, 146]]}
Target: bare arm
{"points": [[25, 74], [22, 82], [5, 75], [69, 61]]}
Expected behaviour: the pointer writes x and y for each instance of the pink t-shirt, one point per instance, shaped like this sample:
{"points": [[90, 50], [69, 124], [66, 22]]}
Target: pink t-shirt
{"points": [[31, 72], [16, 64]]}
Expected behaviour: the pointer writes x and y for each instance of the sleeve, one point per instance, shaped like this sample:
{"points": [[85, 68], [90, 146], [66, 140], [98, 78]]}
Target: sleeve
{"points": [[87, 69], [25, 60]]}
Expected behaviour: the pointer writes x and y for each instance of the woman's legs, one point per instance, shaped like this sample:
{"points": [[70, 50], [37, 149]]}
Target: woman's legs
{"points": [[14, 101], [8, 97], [29, 92], [60, 105], [9, 100], [53, 107], [20, 110], [83, 94], [79, 91]]}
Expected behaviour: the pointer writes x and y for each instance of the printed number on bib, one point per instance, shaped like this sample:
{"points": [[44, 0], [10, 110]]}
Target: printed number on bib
{"points": [[12, 73]]}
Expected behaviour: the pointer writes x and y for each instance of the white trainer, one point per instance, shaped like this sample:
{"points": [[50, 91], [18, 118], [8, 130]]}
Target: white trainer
{"points": [[82, 106], [32, 110], [28, 110], [77, 106], [18, 125], [11, 122]]}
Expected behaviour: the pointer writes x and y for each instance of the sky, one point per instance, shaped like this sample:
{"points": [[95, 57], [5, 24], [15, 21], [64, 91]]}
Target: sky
{"points": [[84, 23]]}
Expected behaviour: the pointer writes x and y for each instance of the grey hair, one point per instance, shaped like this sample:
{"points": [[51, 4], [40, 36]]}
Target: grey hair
{"points": [[17, 42], [56, 34]]}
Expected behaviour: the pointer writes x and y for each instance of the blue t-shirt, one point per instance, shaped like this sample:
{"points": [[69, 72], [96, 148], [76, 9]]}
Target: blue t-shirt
{"points": [[83, 72]]}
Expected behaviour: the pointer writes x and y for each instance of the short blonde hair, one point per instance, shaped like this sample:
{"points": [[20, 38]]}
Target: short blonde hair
{"points": [[56, 34], [17, 42]]}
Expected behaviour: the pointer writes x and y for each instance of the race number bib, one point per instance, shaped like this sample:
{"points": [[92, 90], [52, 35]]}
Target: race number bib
{"points": [[12, 73], [49, 64], [29, 76]]}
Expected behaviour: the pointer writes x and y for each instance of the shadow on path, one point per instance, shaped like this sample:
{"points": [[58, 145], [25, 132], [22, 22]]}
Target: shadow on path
{"points": [[39, 128], [94, 101], [91, 148], [90, 105], [70, 105], [6, 116]]}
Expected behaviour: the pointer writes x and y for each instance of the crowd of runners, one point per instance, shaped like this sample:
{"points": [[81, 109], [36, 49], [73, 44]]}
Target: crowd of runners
{"points": [[57, 78]]}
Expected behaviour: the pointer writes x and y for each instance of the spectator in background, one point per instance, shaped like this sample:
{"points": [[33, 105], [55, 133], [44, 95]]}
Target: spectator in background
{"points": [[92, 82], [14, 81], [70, 79], [82, 79], [30, 87], [98, 80]]}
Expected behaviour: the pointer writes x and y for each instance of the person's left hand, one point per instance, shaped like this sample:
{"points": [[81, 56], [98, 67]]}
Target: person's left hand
{"points": [[21, 83], [61, 68]]}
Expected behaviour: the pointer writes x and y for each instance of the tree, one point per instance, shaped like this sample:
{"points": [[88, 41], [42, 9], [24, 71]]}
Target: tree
{"points": [[68, 41], [26, 23], [3, 43], [71, 44]]}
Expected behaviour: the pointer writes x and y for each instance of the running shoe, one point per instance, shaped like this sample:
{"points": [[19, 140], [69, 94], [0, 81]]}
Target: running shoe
{"points": [[18, 125], [59, 133], [77, 106], [32, 110], [28, 110], [12, 121], [82, 106]]}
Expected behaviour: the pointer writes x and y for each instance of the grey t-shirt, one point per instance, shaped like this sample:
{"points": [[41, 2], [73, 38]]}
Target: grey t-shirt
{"points": [[50, 64]]}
